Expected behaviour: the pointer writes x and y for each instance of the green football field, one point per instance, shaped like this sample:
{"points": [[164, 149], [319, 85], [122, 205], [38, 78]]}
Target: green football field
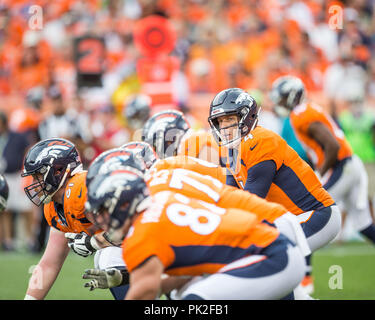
{"points": [[341, 271]]}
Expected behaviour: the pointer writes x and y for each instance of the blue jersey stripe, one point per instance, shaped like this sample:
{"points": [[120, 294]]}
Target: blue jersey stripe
{"points": [[287, 180], [193, 255], [336, 174]]}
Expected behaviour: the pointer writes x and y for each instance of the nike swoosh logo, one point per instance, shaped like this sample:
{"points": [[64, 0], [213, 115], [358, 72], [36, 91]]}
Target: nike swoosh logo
{"points": [[252, 148], [80, 194]]}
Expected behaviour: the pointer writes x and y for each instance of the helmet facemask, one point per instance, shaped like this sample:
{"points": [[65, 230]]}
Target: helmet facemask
{"points": [[48, 180], [241, 128], [112, 201]]}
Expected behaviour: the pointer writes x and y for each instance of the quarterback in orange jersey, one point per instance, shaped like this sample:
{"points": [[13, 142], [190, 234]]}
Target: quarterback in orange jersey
{"points": [[261, 162], [59, 184], [343, 173], [172, 234]]}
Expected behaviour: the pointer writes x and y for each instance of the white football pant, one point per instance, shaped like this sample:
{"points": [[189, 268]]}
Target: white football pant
{"points": [[349, 188]]}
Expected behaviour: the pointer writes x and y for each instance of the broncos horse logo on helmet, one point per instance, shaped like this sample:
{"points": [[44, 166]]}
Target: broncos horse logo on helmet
{"points": [[142, 151], [115, 196], [111, 160], [164, 131], [50, 162]]}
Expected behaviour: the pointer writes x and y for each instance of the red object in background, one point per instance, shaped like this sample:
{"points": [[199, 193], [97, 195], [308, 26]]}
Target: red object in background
{"points": [[156, 76], [154, 36]]}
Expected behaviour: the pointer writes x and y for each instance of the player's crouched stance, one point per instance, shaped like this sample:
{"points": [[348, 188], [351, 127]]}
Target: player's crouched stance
{"points": [[171, 234]]}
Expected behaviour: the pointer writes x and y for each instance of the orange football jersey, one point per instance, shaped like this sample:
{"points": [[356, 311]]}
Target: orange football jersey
{"points": [[192, 237], [200, 144], [71, 216], [193, 164], [196, 180], [295, 184], [302, 117]]}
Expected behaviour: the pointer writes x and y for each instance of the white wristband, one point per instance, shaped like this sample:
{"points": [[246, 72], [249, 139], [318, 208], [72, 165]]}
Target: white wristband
{"points": [[28, 297]]}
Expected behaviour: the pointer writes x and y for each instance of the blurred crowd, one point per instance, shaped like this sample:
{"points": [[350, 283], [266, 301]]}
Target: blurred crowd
{"points": [[218, 44]]}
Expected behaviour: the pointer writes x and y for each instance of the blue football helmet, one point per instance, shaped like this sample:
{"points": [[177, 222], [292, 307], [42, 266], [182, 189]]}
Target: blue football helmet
{"points": [[50, 162], [111, 160], [233, 101], [142, 151], [114, 197], [164, 131], [287, 92]]}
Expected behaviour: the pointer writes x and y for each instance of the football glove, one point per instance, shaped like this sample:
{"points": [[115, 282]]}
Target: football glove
{"points": [[82, 244], [105, 279]]}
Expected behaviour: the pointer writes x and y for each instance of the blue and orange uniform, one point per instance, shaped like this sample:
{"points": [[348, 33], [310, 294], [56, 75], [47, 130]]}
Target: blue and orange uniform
{"points": [[347, 179], [264, 164], [191, 238], [70, 216], [302, 117], [194, 235], [200, 144]]}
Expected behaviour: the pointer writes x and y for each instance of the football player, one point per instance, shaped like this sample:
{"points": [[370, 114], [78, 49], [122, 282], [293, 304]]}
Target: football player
{"points": [[58, 183], [110, 257], [261, 162], [342, 173], [4, 193], [181, 236]]}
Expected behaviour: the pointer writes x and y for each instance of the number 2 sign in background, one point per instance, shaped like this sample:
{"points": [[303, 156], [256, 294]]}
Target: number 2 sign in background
{"points": [[89, 53]]}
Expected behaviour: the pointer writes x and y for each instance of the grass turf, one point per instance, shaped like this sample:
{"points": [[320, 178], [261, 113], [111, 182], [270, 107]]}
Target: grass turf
{"points": [[355, 260]]}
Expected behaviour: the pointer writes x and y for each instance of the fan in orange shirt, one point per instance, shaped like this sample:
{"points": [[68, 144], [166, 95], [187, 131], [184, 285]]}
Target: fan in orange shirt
{"points": [[172, 234]]}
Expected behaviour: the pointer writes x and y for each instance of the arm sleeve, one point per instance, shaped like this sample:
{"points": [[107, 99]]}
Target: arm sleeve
{"points": [[260, 177]]}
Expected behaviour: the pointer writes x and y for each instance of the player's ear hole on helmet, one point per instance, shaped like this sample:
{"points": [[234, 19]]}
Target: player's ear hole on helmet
{"points": [[124, 206], [58, 170]]}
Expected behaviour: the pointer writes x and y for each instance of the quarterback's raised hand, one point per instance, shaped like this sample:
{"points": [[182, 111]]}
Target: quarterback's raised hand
{"points": [[82, 244], [105, 279]]}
